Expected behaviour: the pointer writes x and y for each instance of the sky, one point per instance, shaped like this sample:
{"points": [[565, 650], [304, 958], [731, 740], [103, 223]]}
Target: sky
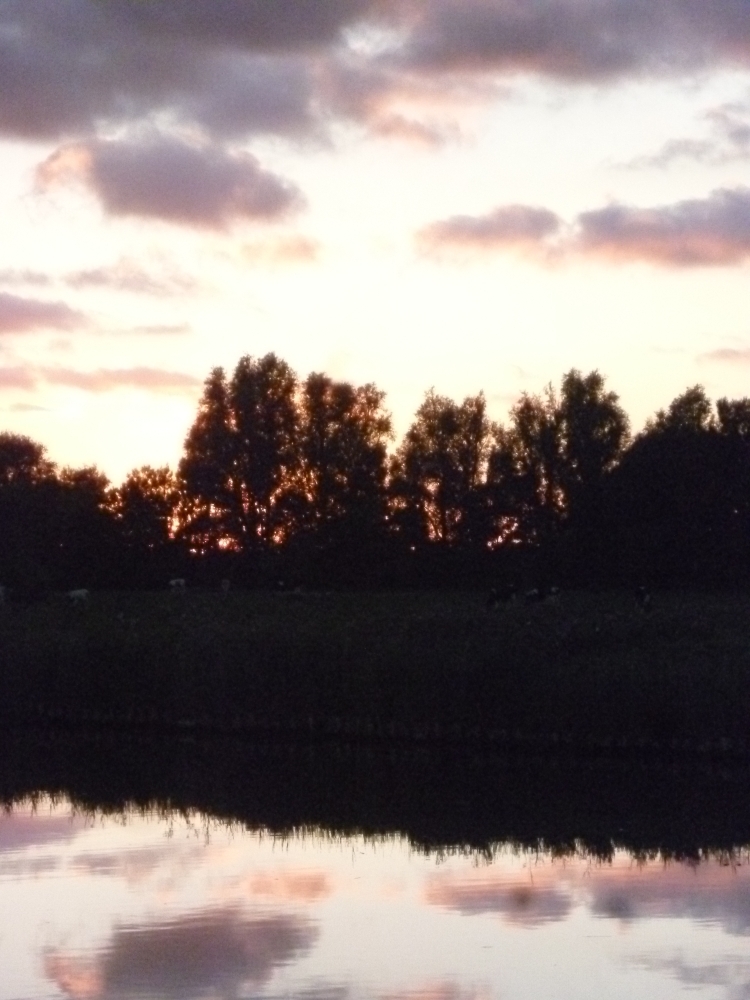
{"points": [[462, 195]]}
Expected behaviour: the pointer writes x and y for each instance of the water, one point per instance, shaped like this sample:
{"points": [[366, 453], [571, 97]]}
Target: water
{"points": [[144, 904]]}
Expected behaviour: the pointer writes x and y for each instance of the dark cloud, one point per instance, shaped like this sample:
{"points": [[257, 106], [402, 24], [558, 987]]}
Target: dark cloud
{"points": [[522, 903], [21, 315], [235, 67], [207, 954], [509, 226], [709, 231], [162, 177], [577, 39]]}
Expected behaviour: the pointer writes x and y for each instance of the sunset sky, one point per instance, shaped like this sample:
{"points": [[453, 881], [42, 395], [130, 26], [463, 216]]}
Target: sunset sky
{"points": [[464, 194]]}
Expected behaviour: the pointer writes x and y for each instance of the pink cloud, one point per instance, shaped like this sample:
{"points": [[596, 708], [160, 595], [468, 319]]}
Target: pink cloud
{"points": [[22, 315], [708, 231], [165, 178], [157, 380], [522, 227]]}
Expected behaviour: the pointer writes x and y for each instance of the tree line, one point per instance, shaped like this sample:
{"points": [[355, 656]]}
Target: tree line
{"points": [[302, 481]]}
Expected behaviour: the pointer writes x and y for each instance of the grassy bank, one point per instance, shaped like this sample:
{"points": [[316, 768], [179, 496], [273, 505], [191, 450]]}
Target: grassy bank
{"points": [[588, 670]]}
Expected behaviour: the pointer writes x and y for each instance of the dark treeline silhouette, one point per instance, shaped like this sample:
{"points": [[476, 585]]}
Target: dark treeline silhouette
{"points": [[298, 481]]}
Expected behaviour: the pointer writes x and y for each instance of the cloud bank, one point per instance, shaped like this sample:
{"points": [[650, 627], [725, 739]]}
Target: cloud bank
{"points": [[711, 231]]}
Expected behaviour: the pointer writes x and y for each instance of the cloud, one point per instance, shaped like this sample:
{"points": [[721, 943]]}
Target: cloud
{"points": [[286, 250], [127, 276], [161, 329], [22, 315], [15, 276], [730, 140], [577, 39], [165, 178], [709, 231], [156, 380], [106, 379], [206, 954], [518, 902], [522, 227], [727, 355], [240, 67]]}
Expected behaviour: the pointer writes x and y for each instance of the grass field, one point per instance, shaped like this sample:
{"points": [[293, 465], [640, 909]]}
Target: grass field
{"points": [[587, 670]]}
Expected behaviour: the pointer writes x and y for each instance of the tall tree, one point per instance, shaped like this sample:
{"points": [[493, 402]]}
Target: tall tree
{"points": [[206, 469], [145, 506], [344, 438], [266, 467], [438, 471], [241, 463], [524, 472]]}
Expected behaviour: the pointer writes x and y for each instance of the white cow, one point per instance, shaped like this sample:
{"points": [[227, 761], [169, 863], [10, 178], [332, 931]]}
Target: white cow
{"points": [[80, 596], [177, 586]]}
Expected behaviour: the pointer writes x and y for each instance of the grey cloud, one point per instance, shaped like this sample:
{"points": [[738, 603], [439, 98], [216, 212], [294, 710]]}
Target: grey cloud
{"points": [[162, 177], [206, 954], [577, 39], [505, 227], [22, 315], [247, 67], [232, 67], [709, 231]]}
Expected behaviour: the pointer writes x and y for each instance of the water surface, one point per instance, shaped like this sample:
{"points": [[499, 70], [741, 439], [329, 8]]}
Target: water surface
{"points": [[147, 904]]}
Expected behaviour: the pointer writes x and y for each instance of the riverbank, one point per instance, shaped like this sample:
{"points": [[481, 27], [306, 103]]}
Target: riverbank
{"points": [[588, 671]]}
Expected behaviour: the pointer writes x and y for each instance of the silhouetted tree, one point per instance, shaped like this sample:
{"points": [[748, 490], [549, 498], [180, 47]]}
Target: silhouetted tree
{"points": [[266, 453], [206, 469], [437, 476], [344, 436], [676, 506], [145, 507], [241, 464], [734, 417], [525, 470], [23, 460]]}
